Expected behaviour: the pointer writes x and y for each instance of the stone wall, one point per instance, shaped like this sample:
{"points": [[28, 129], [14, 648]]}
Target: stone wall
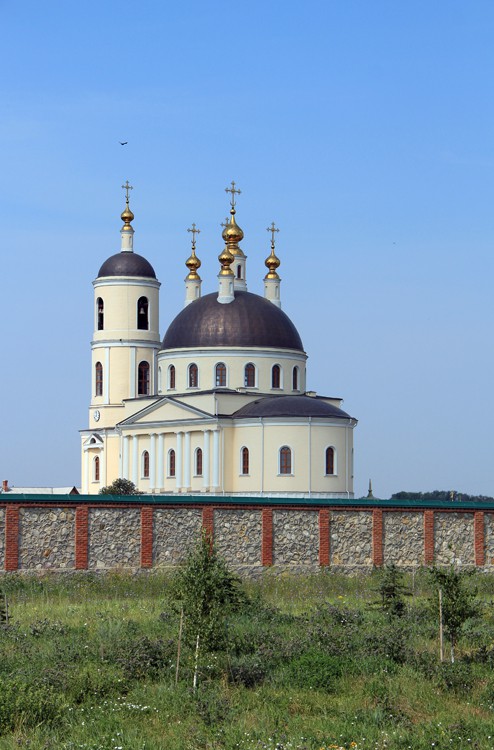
{"points": [[175, 531], [39, 536], [114, 538], [46, 538]]}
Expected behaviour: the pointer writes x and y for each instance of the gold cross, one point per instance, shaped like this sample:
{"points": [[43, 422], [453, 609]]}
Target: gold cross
{"points": [[194, 232], [225, 223], [127, 187], [232, 191], [272, 229]]}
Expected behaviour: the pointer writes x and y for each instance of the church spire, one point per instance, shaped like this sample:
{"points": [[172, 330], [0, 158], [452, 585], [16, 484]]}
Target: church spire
{"points": [[232, 235], [272, 280], [127, 231], [192, 280]]}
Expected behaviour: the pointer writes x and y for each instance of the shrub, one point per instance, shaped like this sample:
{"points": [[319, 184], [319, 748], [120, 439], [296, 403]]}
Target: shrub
{"points": [[313, 670], [248, 671], [28, 704]]}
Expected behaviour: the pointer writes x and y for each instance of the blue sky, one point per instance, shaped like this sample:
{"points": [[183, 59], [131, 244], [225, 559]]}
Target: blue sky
{"points": [[364, 130]]}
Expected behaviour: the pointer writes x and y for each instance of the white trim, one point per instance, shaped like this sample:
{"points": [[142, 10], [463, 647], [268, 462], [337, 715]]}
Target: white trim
{"points": [[221, 353], [126, 342], [127, 281]]}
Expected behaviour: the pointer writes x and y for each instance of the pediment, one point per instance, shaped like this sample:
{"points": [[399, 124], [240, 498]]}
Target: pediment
{"points": [[167, 409]]}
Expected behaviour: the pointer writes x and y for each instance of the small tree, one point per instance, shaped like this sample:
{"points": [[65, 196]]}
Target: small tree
{"points": [[392, 591], [207, 592], [120, 487], [459, 602]]}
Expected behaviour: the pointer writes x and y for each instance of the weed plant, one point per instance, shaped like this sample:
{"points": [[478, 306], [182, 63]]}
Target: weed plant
{"points": [[305, 663]]}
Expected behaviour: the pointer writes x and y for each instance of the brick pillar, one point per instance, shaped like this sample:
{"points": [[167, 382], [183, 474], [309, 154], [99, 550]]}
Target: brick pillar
{"points": [[208, 523], [146, 537], [81, 537], [377, 536], [11, 538], [429, 537], [324, 537], [479, 537], [267, 537]]}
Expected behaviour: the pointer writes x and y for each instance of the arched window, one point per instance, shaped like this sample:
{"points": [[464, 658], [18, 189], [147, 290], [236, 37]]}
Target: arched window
{"points": [[250, 376], [159, 379], [276, 377], [330, 461], [198, 466], [244, 461], [100, 309], [220, 374], [143, 379], [295, 379], [142, 314], [239, 272], [98, 383], [171, 463], [171, 377], [285, 460], [145, 465], [193, 376], [96, 469]]}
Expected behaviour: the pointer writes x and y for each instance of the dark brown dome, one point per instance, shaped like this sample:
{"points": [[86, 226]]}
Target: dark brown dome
{"points": [[290, 406], [249, 320], [127, 264]]}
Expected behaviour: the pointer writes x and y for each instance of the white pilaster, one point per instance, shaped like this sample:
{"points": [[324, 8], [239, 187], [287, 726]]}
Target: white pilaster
{"points": [[161, 461], [135, 460], [187, 459], [226, 293], [106, 377], [85, 479], [272, 291], [132, 379], [125, 457], [152, 462], [216, 459], [179, 461], [206, 460]]}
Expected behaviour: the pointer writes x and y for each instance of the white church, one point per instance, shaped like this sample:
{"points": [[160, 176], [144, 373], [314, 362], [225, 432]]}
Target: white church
{"points": [[220, 404]]}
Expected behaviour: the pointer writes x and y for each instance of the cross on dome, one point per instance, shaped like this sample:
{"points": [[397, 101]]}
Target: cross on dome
{"points": [[234, 192], [127, 187], [272, 229], [194, 232]]}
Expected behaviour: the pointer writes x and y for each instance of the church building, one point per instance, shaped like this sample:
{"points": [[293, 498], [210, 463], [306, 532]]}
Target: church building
{"points": [[220, 404]]}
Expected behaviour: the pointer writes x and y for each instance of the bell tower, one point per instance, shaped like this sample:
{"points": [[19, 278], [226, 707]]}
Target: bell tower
{"points": [[126, 336]]}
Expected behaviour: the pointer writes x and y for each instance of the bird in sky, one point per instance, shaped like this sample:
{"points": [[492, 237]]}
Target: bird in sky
{"points": [[124, 143]]}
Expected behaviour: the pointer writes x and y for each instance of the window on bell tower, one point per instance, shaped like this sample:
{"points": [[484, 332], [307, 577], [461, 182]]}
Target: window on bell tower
{"points": [[98, 384], [143, 379], [100, 308], [142, 314]]}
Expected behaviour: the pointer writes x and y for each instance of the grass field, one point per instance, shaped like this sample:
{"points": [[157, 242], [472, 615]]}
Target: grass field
{"points": [[89, 661]]}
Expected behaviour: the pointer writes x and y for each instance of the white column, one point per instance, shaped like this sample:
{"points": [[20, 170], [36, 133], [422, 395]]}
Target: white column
{"points": [[152, 462], [216, 459], [102, 464], [106, 377], [161, 461], [206, 460], [187, 458], [135, 460], [125, 457], [179, 461]]}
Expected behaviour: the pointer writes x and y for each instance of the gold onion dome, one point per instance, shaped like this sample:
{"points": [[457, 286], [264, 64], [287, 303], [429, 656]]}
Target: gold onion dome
{"points": [[226, 259], [193, 263], [272, 262], [232, 233]]}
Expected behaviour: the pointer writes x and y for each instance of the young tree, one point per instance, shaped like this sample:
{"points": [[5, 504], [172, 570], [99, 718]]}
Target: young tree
{"points": [[120, 487], [207, 591], [392, 591], [459, 602]]}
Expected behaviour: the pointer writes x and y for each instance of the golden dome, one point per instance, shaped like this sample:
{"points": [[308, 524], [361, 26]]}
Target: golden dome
{"points": [[226, 259], [232, 233], [272, 262], [127, 216], [193, 263]]}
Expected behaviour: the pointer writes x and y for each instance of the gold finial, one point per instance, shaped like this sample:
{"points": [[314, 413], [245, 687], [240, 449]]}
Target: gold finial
{"points": [[234, 192], [232, 233], [127, 216], [193, 262], [272, 262]]}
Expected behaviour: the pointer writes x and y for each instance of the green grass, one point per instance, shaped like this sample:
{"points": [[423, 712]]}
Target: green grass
{"points": [[89, 662]]}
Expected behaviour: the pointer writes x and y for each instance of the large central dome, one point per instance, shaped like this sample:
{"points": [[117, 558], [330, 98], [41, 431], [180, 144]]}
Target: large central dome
{"points": [[249, 320]]}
